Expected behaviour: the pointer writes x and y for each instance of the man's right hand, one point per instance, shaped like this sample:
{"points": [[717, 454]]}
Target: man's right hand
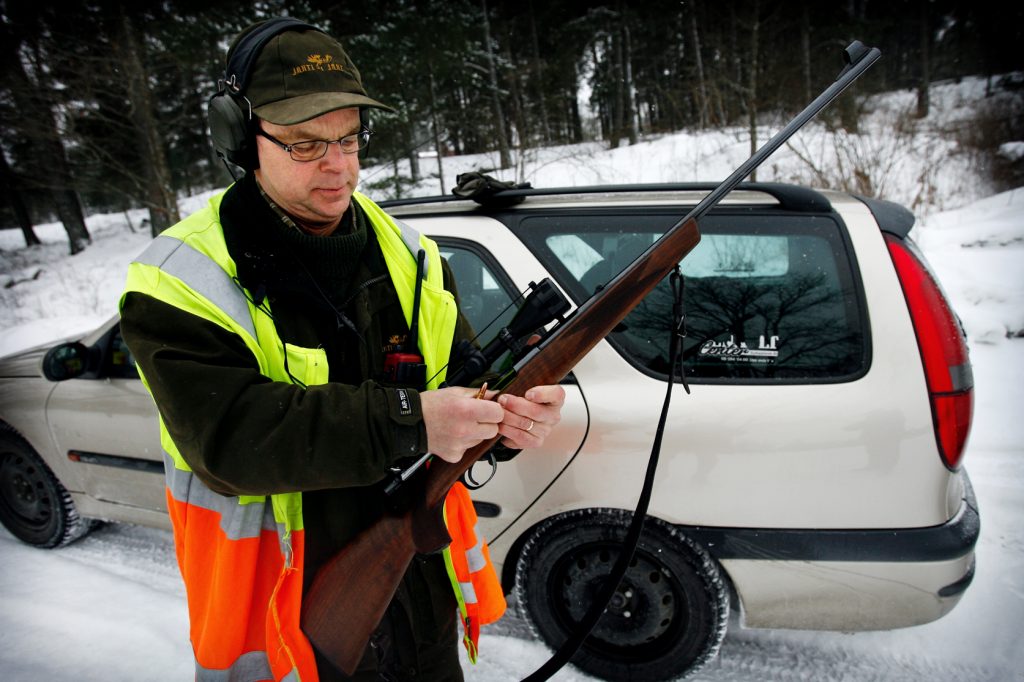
{"points": [[456, 420]]}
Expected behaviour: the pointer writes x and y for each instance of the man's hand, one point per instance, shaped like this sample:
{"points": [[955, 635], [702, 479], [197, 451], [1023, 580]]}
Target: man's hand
{"points": [[529, 420], [456, 420]]}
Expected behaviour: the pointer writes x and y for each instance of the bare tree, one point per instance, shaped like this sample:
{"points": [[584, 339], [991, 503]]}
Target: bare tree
{"points": [[33, 100], [628, 87], [703, 117], [538, 76], [162, 204], [436, 128], [922, 85], [805, 49], [755, 31], [11, 188], [496, 110]]}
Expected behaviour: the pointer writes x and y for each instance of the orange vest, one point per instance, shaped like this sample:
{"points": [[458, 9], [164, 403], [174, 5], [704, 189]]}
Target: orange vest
{"points": [[477, 588], [242, 558]]}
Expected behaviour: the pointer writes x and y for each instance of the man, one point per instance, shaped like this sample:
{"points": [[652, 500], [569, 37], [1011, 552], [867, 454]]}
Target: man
{"points": [[262, 325]]}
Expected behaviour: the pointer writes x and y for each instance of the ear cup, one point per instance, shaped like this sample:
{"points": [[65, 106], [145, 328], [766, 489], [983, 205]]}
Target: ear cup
{"points": [[228, 113], [229, 130]]}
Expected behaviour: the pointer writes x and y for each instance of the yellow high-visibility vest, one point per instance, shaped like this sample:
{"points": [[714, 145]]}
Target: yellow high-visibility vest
{"points": [[242, 557]]}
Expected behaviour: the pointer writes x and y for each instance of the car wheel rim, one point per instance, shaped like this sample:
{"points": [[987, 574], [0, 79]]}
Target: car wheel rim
{"points": [[23, 492], [644, 609]]}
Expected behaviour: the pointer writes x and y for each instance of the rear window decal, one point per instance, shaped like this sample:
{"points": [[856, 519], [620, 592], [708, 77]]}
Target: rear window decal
{"points": [[729, 351]]}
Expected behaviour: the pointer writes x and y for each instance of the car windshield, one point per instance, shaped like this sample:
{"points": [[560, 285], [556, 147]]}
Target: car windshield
{"points": [[767, 298]]}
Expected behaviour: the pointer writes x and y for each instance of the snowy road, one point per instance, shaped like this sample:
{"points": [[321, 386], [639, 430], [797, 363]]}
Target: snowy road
{"points": [[111, 607]]}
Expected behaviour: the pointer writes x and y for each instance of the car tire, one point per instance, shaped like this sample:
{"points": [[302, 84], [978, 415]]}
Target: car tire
{"points": [[34, 506], [667, 618]]}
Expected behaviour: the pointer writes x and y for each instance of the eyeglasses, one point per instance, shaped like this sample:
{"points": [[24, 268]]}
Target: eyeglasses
{"points": [[311, 150]]}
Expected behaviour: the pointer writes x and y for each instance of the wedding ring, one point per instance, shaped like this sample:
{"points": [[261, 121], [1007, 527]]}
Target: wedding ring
{"points": [[530, 427]]}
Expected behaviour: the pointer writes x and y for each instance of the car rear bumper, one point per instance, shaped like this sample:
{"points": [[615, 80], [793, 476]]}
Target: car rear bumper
{"points": [[847, 579]]}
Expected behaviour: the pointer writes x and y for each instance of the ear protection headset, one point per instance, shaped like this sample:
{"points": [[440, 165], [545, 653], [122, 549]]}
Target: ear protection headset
{"points": [[232, 125]]}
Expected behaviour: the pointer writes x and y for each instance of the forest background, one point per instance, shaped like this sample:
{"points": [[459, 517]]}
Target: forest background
{"points": [[103, 103]]}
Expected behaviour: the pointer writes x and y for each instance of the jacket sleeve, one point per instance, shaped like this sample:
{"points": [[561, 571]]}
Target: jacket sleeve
{"points": [[244, 434]]}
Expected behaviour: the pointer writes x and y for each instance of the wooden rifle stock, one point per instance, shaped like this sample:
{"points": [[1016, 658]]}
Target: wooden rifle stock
{"points": [[350, 594]]}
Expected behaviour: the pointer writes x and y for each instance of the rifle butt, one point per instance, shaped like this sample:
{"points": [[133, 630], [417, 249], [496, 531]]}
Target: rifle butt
{"points": [[350, 593]]}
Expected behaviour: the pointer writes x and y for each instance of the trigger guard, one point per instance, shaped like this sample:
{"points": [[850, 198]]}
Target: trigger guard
{"points": [[470, 481]]}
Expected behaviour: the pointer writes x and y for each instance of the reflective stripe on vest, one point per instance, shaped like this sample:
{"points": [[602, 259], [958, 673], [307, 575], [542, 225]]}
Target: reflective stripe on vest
{"points": [[198, 283], [412, 241], [237, 519], [478, 591], [468, 592], [475, 557], [476, 561], [250, 666], [202, 274]]}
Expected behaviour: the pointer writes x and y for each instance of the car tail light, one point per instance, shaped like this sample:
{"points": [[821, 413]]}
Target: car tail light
{"points": [[940, 338]]}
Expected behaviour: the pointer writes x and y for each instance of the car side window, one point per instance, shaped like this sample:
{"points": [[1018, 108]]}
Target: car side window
{"points": [[120, 364], [486, 294], [766, 298]]}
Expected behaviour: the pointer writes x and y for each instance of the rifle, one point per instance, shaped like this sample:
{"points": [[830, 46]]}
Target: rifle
{"points": [[350, 594]]}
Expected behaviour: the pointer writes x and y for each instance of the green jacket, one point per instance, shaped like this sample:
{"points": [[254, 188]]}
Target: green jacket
{"points": [[243, 434]]}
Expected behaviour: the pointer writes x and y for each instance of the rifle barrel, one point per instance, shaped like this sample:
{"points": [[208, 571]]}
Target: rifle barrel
{"points": [[592, 321], [343, 605]]}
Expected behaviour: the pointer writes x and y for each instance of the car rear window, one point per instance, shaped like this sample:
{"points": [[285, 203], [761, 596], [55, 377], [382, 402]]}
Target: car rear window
{"points": [[767, 298]]}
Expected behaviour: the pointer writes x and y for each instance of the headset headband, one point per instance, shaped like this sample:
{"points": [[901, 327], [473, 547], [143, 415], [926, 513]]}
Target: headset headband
{"points": [[242, 58]]}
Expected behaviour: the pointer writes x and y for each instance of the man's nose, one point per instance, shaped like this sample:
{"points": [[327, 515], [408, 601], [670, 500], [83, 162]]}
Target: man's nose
{"points": [[335, 157]]}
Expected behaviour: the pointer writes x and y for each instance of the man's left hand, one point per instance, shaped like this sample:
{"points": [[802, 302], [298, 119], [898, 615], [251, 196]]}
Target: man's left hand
{"points": [[529, 420]]}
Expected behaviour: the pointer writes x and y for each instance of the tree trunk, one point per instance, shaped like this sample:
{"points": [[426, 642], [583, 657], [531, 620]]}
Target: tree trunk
{"points": [[36, 103], [922, 86], [414, 162], [435, 124], [604, 105], [805, 48], [398, 178], [457, 134], [12, 190], [413, 154], [617, 77], [575, 120], [755, 31], [163, 207], [69, 209], [538, 79], [734, 105], [520, 133], [703, 118], [630, 89], [492, 69]]}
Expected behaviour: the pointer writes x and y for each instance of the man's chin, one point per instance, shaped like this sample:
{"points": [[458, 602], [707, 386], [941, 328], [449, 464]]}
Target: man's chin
{"points": [[326, 217]]}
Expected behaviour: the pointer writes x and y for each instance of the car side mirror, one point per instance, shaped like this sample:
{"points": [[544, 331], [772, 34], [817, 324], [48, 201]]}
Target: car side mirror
{"points": [[66, 361]]}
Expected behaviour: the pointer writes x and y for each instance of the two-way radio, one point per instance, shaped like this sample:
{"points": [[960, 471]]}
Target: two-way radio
{"points": [[405, 366]]}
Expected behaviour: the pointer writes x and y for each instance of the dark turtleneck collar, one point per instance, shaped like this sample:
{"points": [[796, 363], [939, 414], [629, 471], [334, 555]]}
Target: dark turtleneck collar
{"points": [[274, 256]]}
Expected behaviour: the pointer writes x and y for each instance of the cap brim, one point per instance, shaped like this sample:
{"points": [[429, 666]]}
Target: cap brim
{"points": [[288, 112]]}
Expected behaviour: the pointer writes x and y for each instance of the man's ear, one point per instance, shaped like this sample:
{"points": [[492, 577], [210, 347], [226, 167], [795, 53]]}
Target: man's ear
{"points": [[364, 122]]}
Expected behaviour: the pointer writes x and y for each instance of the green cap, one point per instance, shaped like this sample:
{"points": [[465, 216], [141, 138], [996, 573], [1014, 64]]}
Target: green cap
{"points": [[302, 74]]}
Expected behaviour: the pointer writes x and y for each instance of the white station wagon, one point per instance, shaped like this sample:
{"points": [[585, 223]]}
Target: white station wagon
{"points": [[811, 479]]}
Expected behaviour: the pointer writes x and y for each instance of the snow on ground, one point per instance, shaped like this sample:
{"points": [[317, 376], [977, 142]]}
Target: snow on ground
{"points": [[111, 606]]}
